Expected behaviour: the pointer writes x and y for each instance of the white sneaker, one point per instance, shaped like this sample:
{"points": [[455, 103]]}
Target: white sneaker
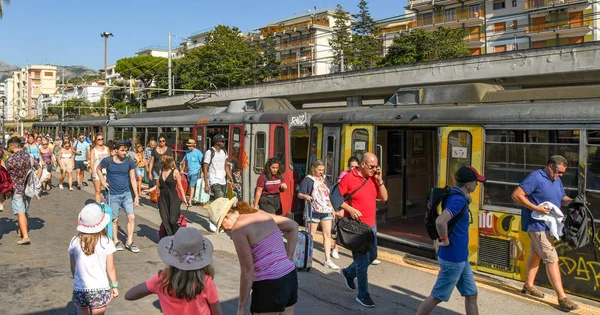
{"points": [[335, 254], [61, 186], [329, 264], [376, 262]]}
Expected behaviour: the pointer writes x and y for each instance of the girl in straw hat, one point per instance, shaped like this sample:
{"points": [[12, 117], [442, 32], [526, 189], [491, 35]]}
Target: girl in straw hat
{"points": [[186, 285], [92, 266]]}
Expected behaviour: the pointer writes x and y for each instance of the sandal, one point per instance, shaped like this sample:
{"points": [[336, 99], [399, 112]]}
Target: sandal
{"points": [[132, 247], [25, 241], [533, 291]]}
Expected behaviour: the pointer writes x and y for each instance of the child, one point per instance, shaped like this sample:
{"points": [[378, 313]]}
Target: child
{"points": [[140, 166], [186, 285], [92, 262]]}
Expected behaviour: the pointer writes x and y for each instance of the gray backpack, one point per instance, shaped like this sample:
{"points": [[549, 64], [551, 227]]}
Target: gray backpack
{"points": [[32, 182]]}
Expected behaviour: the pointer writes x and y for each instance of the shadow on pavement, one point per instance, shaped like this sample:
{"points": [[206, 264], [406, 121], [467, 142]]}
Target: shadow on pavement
{"points": [[196, 218], [148, 232], [8, 225], [69, 309], [157, 305]]}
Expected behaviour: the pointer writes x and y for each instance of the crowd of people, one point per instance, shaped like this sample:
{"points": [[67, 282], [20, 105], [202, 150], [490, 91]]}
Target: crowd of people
{"points": [[268, 273]]}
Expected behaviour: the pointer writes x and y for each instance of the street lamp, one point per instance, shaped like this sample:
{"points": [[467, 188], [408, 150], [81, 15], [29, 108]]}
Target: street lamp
{"points": [[2, 104], [106, 35]]}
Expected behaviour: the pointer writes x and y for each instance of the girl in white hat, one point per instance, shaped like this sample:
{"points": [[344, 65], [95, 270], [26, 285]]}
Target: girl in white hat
{"points": [[186, 285], [92, 263]]}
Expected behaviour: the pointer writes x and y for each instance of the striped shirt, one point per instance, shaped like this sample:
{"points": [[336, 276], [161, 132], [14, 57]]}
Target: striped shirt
{"points": [[270, 258]]}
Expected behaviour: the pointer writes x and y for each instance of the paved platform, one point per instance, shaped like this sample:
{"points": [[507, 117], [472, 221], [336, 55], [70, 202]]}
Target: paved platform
{"points": [[36, 279]]}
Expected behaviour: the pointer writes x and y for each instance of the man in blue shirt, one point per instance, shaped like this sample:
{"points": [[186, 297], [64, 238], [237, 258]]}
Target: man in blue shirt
{"points": [[120, 174], [453, 252], [193, 161], [537, 189], [82, 155]]}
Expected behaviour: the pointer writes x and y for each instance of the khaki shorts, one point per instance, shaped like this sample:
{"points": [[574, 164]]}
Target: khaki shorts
{"points": [[67, 165], [542, 244]]}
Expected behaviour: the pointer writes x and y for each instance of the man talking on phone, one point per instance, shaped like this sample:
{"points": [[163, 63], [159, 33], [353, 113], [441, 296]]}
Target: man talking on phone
{"points": [[364, 207]]}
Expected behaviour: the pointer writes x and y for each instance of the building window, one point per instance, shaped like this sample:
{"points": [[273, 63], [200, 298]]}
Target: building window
{"points": [[514, 25], [514, 3], [474, 11], [48, 74], [427, 18], [499, 5], [450, 15], [500, 27], [500, 48]]}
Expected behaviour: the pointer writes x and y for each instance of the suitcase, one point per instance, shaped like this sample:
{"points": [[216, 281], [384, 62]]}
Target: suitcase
{"points": [[303, 254], [200, 195]]}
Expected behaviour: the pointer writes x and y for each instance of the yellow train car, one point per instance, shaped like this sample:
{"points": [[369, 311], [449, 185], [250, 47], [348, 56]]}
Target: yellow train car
{"points": [[423, 135]]}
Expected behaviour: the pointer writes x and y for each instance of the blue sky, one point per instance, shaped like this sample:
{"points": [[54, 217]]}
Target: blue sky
{"points": [[67, 32]]}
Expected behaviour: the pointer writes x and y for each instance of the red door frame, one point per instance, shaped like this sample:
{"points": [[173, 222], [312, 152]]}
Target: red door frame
{"points": [[236, 155], [288, 175], [200, 146]]}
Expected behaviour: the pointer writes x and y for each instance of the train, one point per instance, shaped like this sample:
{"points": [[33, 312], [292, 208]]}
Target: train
{"points": [[421, 136]]}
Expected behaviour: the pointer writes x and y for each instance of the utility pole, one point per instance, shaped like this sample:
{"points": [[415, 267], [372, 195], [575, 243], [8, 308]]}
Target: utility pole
{"points": [[63, 76], [342, 61], [106, 35], [170, 81], [3, 103]]}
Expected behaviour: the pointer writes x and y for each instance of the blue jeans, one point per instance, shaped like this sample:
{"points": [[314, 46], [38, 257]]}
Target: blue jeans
{"points": [[360, 265], [123, 201]]}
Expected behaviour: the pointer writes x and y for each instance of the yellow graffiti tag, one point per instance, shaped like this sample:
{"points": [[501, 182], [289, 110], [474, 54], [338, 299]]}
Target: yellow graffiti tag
{"points": [[595, 266], [582, 268], [567, 262]]}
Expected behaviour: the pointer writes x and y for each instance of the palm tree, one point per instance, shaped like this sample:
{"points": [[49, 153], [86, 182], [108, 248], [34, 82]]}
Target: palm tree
{"points": [[2, 3]]}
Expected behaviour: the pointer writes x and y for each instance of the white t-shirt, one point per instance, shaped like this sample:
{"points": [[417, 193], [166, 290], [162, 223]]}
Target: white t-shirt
{"points": [[90, 271], [216, 171]]}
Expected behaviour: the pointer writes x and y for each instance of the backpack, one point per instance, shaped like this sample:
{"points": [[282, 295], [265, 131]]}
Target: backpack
{"points": [[5, 181], [577, 224], [437, 196], [337, 199], [32, 182], [212, 154]]}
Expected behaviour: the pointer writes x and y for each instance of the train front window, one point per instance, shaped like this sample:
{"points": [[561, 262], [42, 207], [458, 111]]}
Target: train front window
{"points": [[511, 155], [459, 153], [360, 142]]}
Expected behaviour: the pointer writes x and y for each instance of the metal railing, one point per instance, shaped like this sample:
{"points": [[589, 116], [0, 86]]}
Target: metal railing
{"points": [[449, 15], [559, 25], [537, 4], [294, 59], [295, 43]]}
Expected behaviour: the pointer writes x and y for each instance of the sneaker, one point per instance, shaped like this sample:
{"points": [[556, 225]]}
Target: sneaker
{"points": [[119, 246], [78, 187], [335, 254], [329, 264], [85, 184], [132, 248], [533, 291], [61, 186], [567, 305], [349, 282], [71, 188], [1, 208], [376, 262], [365, 301]]}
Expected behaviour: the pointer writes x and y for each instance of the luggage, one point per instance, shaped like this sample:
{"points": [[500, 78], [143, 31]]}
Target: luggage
{"points": [[200, 195], [303, 254], [184, 183], [354, 235]]}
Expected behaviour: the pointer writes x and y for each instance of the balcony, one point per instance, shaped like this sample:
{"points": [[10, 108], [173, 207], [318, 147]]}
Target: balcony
{"points": [[540, 4], [428, 4], [295, 59], [449, 17], [293, 76], [294, 27], [295, 43], [573, 27], [474, 39]]}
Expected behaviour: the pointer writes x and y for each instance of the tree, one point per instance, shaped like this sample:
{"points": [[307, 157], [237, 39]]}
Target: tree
{"points": [[148, 69], [2, 4], [341, 40], [366, 47], [225, 60], [271, 64], [420, 46]]}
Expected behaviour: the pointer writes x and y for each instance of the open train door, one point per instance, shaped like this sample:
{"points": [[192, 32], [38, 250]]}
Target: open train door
{"points": [[237, 160], [280, 147]]}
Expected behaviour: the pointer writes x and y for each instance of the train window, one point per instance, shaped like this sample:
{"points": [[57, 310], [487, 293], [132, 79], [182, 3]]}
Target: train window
{"points": [[360, 142], [250, 106], [128, 133], [259, 152], [183, 135], [140, 136], [459, 153], [170, 135], [314, 139], [118, 133], [213, 131], [279, 144], [592, 192], [329, 168], [510, 155], [152, 134]]}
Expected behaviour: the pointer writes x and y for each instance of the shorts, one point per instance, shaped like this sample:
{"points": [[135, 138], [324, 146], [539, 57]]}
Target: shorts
{"points": [[155, 174], [270, 203], [454, 274], [219, 190], [192, 180], [80, 165], [95, 298], [317, 217], [273, 296], [542, 244], [139, 171], [117, 202], [67, 165], [20, 203]]}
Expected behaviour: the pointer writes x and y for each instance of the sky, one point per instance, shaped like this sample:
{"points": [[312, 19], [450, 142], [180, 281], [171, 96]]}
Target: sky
{"points": [[67, 32]]}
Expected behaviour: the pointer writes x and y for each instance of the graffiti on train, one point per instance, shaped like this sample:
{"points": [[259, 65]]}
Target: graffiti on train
{"points": [[236, 190], [299, 120], [579, 267]]}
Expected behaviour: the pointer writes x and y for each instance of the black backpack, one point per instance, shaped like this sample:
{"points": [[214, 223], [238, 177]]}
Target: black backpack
{"points": [[437, 196], [577, 224]]}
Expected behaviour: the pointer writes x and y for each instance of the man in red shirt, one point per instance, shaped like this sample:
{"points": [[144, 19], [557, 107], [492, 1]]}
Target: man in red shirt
{"points": [[363, 205]]}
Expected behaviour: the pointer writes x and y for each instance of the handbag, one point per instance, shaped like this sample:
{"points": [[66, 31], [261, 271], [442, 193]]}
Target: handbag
{"points": [[154, 195], [354, 235], [181, 222]]}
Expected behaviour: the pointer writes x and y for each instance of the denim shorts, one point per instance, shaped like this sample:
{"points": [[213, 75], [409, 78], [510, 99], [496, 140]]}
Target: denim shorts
{"points": [[20, 203], [192, 180], [139, 171], [117, 202], [318, 217], [454, 274]]}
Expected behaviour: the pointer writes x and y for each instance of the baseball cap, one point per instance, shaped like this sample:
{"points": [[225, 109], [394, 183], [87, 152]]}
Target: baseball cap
{"points": [[122, 143], [219, 138], [467, 174]]}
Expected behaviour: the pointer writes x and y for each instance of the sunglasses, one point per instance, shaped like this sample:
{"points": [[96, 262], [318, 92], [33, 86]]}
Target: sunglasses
{"points": [[162, 140], [98, 139], [372, 167], [557, 171]]}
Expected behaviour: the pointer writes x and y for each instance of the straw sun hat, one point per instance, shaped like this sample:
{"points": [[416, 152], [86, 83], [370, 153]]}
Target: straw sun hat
{"points": [[218, 209], [92, 219], [186, 250]]}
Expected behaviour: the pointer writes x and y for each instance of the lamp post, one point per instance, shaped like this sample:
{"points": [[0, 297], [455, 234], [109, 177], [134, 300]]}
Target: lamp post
{"points": [[106, 35], [2, 104]]}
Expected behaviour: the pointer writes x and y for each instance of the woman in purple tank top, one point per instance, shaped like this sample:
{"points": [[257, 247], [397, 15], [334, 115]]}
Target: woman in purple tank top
{"points": [[265, 261]]}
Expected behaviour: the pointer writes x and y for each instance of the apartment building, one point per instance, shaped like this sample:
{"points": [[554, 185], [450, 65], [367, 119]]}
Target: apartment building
{"points": [[156, 51], [301, 43], [7, 92], [32, 85], [392, 28]]}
